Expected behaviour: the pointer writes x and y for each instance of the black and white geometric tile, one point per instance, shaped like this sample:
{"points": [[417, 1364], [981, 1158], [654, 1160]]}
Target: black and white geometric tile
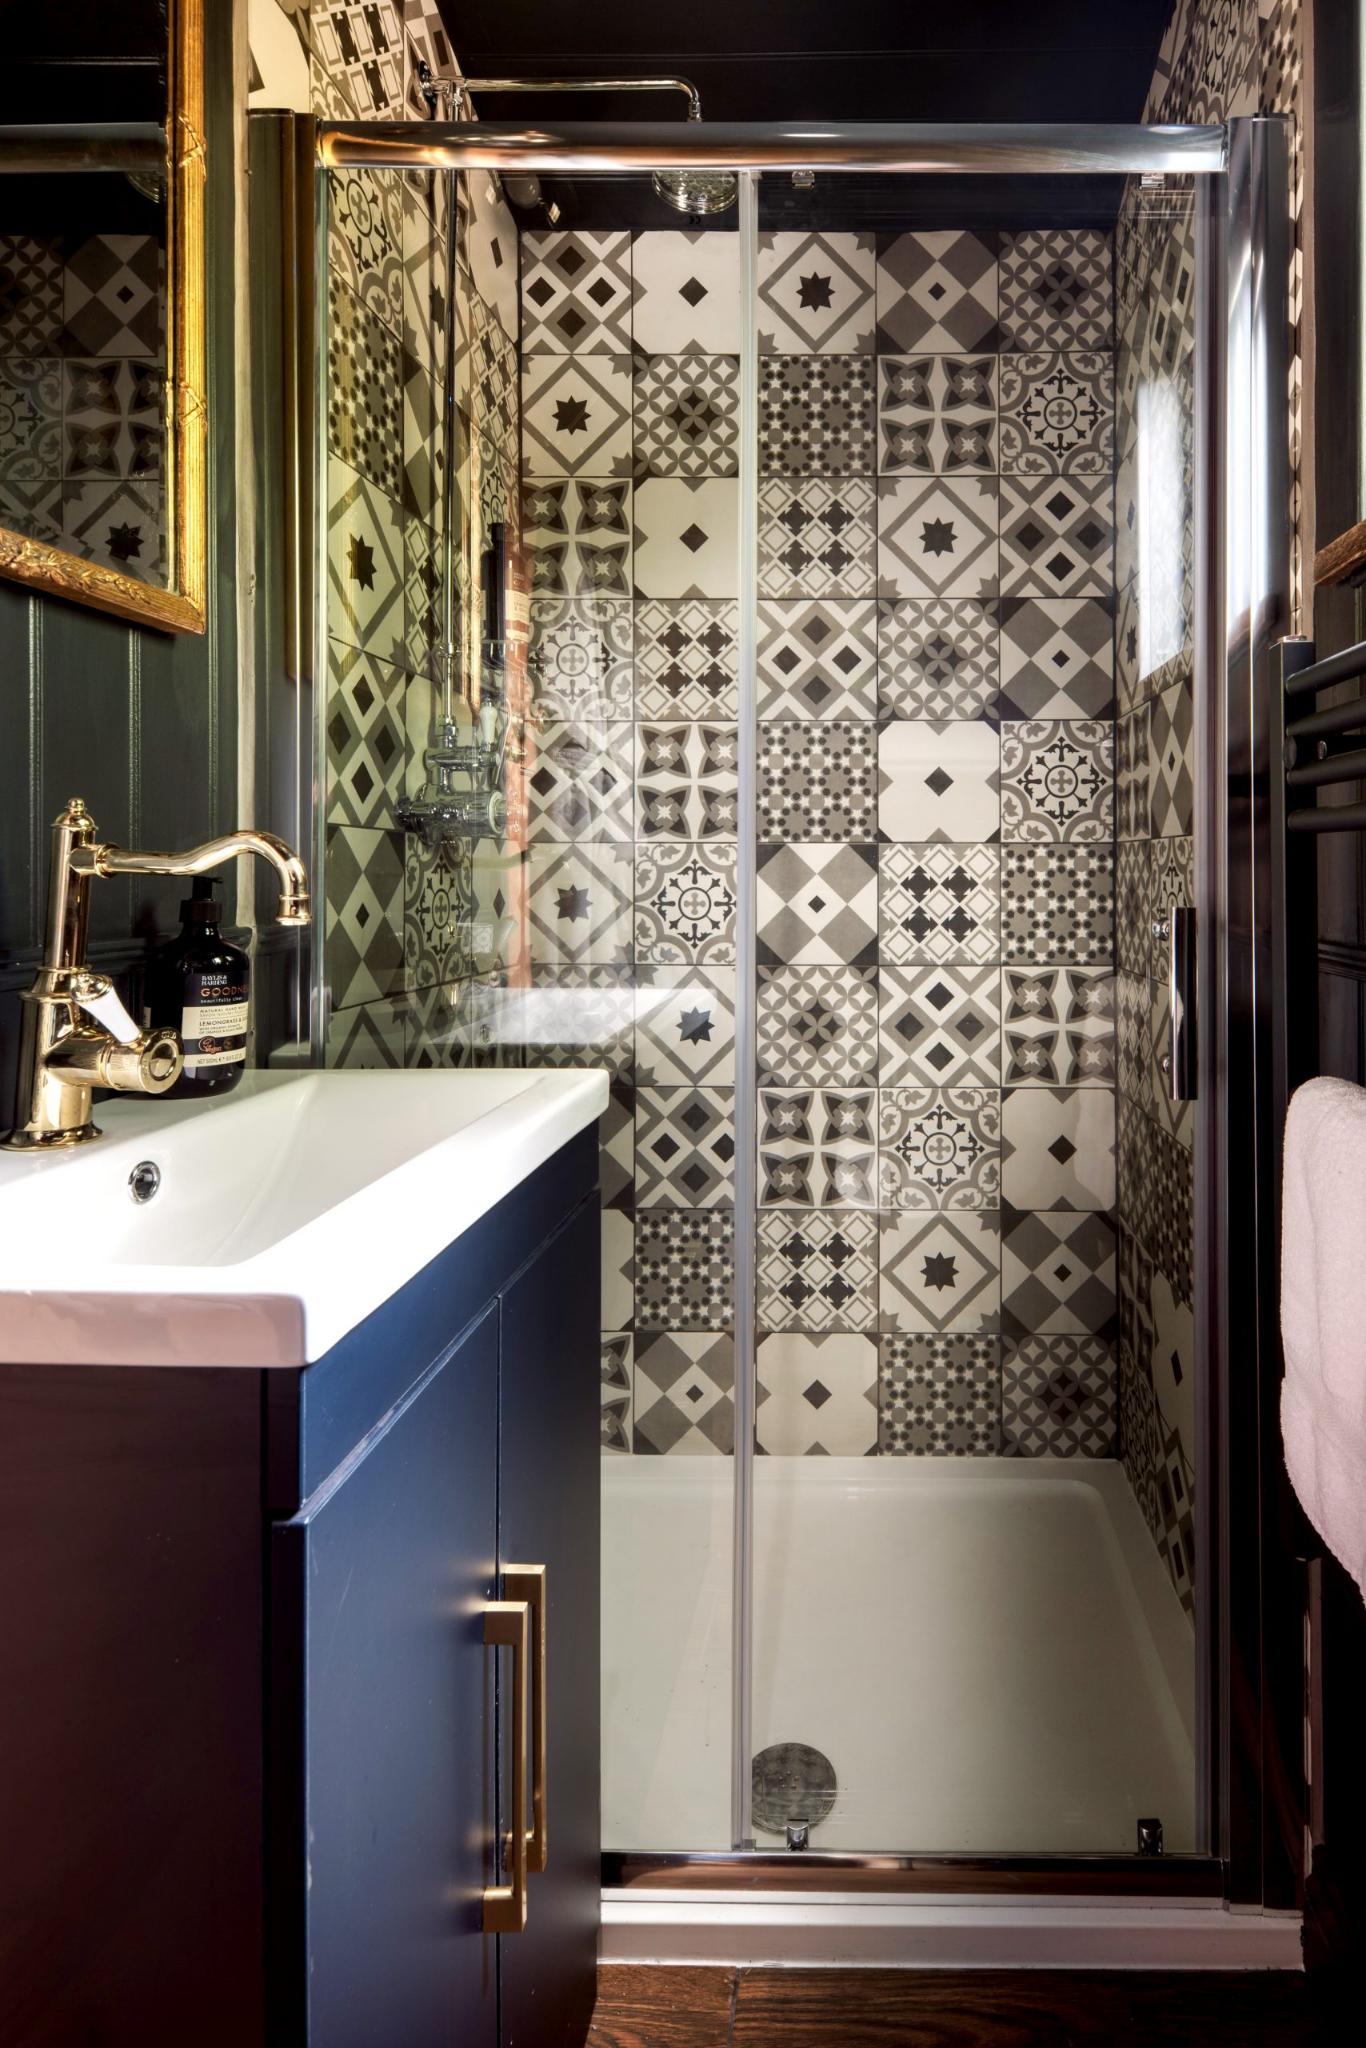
{"points": [[579, 782], [365, 737], [937, 292], [816, 781], [817, 659], [939, 780], [937, 657], [818, 904], [687, 293], [1058, 1148], [938, 537], [1059, 1025], [363, 927], [364, 391], [1172, 788], [579, 904], [31, 419], [817, 1269], [816, 292], [817, 1395], [1055, 290], [685, 903], [684, 1395], [1057, 780], [817, 537], [687, 537], [581, 1017], [368, 1035], [1057, 1272], [576, 415], [1057, 903], [1058, 1397], [576, 293], [577, 535], [119, 522], [939, 1397], [685, 1147], [684, 1269], [940, 1026], [579, 662], [30, 295], [817, 1026], [940, 904], [687, 415], [365, 231], [685, 780], [937, 414], [1057, 414], [939, 1148], [685, 1027], [686, 659], [1057, 658], [816, 415], [617, 1372], [438, 896], [939, 1270], [364, 564], [1057, 536], [817, 1148], [112, 417], [113, 297]]}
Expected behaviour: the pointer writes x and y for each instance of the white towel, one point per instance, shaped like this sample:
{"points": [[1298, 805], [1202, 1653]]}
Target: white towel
{"points": [[1323, 1313]]}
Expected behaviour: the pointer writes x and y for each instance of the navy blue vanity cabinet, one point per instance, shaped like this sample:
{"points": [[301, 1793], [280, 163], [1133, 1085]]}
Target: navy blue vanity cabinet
{"points": [[548, 1515]]}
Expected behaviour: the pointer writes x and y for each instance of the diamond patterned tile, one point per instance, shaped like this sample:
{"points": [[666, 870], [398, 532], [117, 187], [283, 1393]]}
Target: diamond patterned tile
{"points": [[817, 659], [363, 924], [687, 416], [369, 1035], [816, 1395], [1057, 536], [1059, 1025], [939, 1397], [577, 536], [687, 537], [684, 1270], [685, 903], [365, 737], [817, 1148], [576, 292], [1059, 1398], [687, 664], [1057, 903], [579, 662], [816, 416], [579, 783], [1057, 780], [939, 1270], [818, 904], [1057, 414], [938, 537], [1057, 658], [580, 904], [1058, 1148], [816, 291], [364, 564], [939, 780], [685, 1027], [936, 414], [817, 1025], [940, 903], [816, 782], [939, 1026], [817, 537], [937, 292], [817, 1270], [1055, 290], [113, 293], [1171, 759], [687, 292], [938, 657], [685, 1147], [1057, 1273], [939, 1148], [685, 783], [684, 1395], [576, 415]]}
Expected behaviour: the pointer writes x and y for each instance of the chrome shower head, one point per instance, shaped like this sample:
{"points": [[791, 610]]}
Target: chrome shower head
{"points": [[699, 192]]}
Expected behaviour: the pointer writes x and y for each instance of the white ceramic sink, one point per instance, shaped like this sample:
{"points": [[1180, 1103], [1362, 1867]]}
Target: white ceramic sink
{"points": [[285, 1214]]}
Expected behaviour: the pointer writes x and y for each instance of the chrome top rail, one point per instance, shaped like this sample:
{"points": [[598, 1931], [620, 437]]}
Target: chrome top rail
{"points": [[954, 147]]}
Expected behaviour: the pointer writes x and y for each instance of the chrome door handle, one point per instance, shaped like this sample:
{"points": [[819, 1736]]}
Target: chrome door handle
{"points": [[1180, 1062]]}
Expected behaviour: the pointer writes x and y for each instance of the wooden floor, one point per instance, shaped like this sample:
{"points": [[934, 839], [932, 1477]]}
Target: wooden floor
{"points": [[682, 2007]]}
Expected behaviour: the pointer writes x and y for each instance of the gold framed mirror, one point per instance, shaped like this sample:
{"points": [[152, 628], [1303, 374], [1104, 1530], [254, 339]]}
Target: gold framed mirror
{"points": [[103, 414]]}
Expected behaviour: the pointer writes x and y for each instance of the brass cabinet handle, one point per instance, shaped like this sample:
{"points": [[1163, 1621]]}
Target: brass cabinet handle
{"points": [[527, 1582], [507, 1625]]}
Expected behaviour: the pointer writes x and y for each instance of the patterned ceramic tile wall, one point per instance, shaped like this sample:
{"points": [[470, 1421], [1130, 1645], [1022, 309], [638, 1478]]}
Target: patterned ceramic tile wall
{"points": [[936, 789]]}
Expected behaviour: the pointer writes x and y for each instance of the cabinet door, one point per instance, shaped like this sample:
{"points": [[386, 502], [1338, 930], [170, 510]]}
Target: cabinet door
{"points": [[548, 1515], [393, 1565]]}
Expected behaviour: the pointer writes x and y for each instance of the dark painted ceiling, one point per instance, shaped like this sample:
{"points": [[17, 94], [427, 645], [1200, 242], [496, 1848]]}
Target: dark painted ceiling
{"points": [[834, 60]]}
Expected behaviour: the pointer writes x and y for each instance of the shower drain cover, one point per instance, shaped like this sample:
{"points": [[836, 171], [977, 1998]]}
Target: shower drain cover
{"points": [[791, 1781]]}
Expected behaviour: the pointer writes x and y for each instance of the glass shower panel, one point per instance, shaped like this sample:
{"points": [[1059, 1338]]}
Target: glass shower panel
{"points": [[945, 1061]]}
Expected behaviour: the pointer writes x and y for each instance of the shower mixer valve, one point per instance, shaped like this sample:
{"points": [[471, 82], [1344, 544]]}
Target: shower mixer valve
{"points": [[463, 793]]}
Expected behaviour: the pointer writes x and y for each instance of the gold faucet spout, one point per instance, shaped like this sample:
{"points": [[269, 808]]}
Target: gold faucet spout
{"points": [[293, 907]]}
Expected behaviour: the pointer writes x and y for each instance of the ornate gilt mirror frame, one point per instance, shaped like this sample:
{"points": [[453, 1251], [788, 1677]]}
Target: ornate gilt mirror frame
{"points": [[180, 607]]}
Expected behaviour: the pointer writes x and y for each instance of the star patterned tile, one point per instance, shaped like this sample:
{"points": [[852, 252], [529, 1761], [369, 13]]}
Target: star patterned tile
{"points": [[816, 415], [936, 414], [816, 781], [940, 1026], [937, 292], [939, 1148], [1057, 780], [685, 903], [817, 659], [817, 1270], [816, 292], [576, 415], [1057, 536], [1059, 1398], [1056, 290], [364, 391], [686, 659], [940, 904], [1057, 414], [579, 903], [1057, 903], [685, 781], [687, 292], [938, 537], [579, 659], [576, 292], [939, 780], [939, 1397], [577, 536], [1059, 1025], [1057, 1273], [684, 1271], [1057, 658], [1058, 1148], [937, 657], [684, 1395], [687, 537], [687, 415], [817, 905], [364, 564], [939, 1270], [817, 1148], [817, 537], [817, 1025], [685, 1147], [685, 1027], [816, 1395]]}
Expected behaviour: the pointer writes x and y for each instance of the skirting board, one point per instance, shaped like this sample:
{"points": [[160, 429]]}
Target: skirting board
{"points": [[825, 1929]]}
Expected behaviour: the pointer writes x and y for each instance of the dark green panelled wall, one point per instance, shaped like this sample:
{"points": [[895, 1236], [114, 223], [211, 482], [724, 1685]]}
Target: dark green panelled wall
{"points": [[141, 724]]}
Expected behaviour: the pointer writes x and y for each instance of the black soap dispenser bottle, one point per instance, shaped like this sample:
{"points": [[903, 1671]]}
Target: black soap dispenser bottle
{"points": [[200, 985]]}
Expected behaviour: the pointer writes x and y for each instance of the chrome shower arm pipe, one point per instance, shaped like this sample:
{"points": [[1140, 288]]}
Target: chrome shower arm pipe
{"points": [[954, 147], [462, 87]]}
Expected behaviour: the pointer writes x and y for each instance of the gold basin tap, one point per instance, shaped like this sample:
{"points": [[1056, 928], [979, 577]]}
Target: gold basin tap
{"points": [[77, 1035]]}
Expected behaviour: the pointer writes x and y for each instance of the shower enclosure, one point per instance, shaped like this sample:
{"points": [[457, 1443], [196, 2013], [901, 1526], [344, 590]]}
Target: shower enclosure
{"points": [[856, 598]]}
